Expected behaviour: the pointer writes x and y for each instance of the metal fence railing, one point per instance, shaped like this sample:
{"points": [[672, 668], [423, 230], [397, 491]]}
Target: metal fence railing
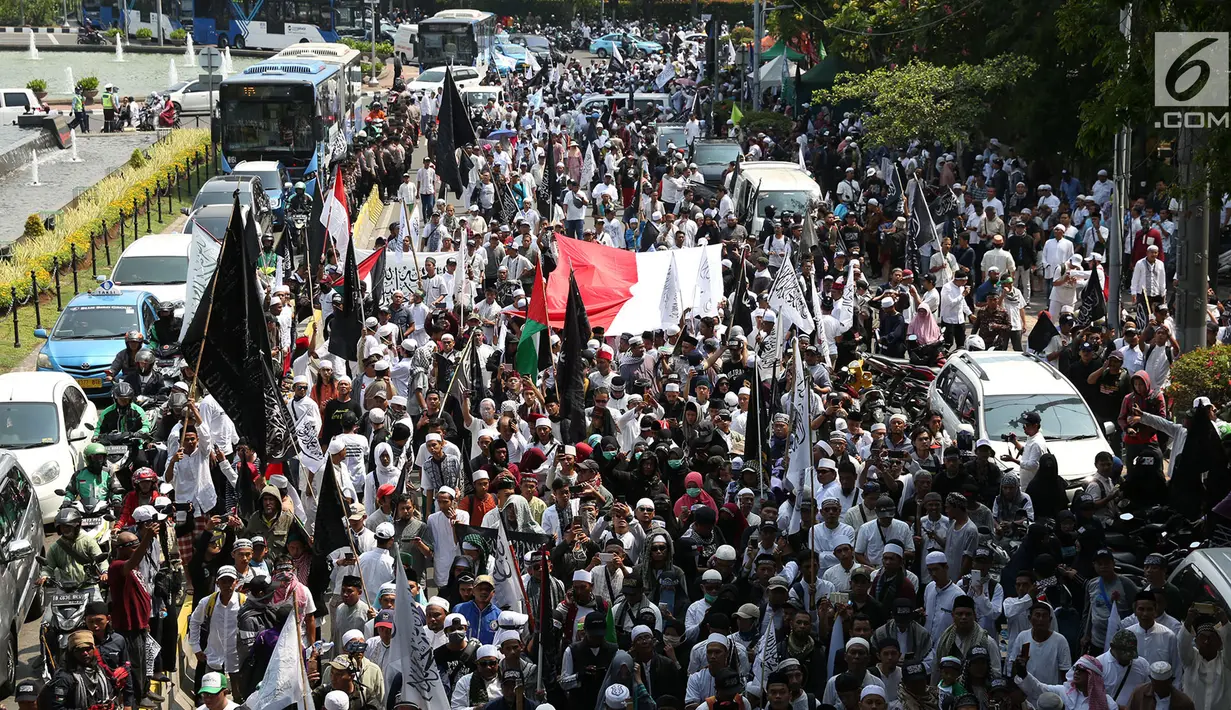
{"points": [[156, 204]]}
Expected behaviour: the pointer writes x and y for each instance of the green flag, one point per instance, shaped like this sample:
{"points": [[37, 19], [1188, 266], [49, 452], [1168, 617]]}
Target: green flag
{"points": [[736, 114]]}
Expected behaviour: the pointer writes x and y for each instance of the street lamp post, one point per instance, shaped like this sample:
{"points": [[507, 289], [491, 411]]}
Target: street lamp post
{"points": [[759, 11]]}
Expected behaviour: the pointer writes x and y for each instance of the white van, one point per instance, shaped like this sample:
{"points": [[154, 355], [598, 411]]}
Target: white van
{"points": [[596, 102], [779, 183], [404, 41]]}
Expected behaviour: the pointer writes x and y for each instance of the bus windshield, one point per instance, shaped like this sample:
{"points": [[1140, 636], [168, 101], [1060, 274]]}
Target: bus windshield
{"points": [[444, 42], [258, 122]]}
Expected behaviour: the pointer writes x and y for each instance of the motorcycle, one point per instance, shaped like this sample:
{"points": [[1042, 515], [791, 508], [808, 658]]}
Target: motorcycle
{"points": [[128, 451], [169, 118], [90, 36], [64, 602], [146, 117]]}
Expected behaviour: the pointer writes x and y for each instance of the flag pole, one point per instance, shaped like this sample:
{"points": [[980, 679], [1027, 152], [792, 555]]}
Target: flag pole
{"points": [[209, 312], [303, 674], [520, 584]]}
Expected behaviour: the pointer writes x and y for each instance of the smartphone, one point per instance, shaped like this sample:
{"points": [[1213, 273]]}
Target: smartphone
{"points": [[1205, 608], [606, 557], [836, 598], [1025, 652], [976, 577], [575, 489]]}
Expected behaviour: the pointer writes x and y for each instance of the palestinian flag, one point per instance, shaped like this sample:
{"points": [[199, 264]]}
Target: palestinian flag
{"points": [[534, 348], [364, 267]]}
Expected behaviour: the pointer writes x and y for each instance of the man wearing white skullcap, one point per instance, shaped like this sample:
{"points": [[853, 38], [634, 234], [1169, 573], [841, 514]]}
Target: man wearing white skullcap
{"points": [[475, 690], [616, 696], [444, 541]]}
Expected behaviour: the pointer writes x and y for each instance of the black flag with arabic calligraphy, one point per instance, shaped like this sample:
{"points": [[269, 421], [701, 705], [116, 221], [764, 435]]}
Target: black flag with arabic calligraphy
{"points": [[228, 344]]}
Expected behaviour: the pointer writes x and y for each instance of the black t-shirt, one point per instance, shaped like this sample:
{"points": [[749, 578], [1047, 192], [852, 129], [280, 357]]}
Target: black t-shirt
{"points": [[331, 425]]}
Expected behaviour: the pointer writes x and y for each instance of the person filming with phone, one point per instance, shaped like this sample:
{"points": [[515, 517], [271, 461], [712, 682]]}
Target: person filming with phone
{"points": [[1028, 454]]}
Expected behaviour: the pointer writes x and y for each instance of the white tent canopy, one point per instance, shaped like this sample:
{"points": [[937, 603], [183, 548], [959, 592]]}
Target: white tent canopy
{"points": [[771, 72]]}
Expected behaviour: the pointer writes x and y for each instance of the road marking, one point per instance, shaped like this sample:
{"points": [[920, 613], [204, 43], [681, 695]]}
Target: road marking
{"points": [[52, 36]]}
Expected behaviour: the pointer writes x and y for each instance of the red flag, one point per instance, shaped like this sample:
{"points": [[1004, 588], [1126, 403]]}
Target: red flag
{"points": [[364, 268], [335, 216]]}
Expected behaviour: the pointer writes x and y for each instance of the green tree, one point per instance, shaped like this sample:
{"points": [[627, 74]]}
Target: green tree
{"points": [[921, 100]]}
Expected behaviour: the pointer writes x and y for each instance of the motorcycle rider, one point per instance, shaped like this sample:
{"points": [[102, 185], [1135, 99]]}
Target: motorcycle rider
{"points": [[167, 118], [145, 380], [123, 416], [92, 482], [145, 492], [84, 681], [126, 360], [167, 327], [300, 200]]}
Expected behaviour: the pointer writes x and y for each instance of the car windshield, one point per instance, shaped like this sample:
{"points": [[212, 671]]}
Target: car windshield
{"points": [[270, 179], [95, 322], [224, 195], [151, 270], [793, 201], [1065, 418], [536, 42], [479, 98], [715, 154], [432, 76], [513, 50], [27, 425]]}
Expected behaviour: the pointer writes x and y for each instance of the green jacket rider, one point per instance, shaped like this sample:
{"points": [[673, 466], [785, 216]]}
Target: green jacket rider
{"points": [[92, 482]]}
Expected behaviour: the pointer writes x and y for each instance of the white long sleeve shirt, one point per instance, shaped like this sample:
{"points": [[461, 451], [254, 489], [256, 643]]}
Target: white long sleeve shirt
{"points": [[220, 650], [1056, 253], [1150, 279], [953, 307], [938, 605]]}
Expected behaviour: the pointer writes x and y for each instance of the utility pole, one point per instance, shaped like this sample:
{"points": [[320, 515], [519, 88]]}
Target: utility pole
{"points": [[758, 31], [159, 21], [1192, 269], [1120, 169]]}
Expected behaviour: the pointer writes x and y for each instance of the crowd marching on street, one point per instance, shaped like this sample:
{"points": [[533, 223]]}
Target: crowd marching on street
{"points": [[485, 492]]}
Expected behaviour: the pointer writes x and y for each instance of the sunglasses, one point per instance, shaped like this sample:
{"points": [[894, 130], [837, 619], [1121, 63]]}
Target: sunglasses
{"points": [[489, 664]]}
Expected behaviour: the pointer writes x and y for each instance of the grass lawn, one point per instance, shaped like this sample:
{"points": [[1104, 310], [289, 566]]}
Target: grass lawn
{"points": [[11, 356]]}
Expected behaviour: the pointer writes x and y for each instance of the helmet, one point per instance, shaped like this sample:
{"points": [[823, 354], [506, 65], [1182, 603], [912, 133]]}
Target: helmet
{"points": [[301, 186], [145, 473], [68, 516], [144, 357], [975, 343], [134, 336], [123, 390], [286, 185], [94, 449], [166, 306]]}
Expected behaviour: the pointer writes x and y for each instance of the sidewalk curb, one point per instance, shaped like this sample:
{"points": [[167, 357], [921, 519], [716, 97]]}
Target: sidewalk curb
{"points": [[38, 30]]}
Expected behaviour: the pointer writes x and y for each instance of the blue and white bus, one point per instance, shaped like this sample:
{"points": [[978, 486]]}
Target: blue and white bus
{"points": [[271, 24], [132, 15], [465, 37], [291, 110]]}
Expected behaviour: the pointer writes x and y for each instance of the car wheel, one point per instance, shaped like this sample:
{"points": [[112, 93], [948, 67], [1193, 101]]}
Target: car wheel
{"points": [[8, 680], [601, 53], [222, 42], [178, 109], [304, 40], [239, 42]]}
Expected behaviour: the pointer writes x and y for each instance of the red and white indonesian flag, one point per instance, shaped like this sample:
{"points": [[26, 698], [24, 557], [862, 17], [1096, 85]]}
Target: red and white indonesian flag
{"points": [[623, 290], [334, 215]]}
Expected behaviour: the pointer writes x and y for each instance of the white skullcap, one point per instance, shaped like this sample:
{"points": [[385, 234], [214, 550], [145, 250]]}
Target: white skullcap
{"points": [[645, 503], [301, 379], [672, 387], [377, 416], [336, 446], [489, 433], [456, 619], [616, 695], [872, 690], [893, 547], [440, 602], [857, 641], [640, 630], [745, 492], [433, 437], [718, 639], [479, 475], [336, 700], [936, 557], [582, 575], [887, 302], [542, 421], [487, 651], [447, 491], [506, 635], [352, 635], [827, 464]]}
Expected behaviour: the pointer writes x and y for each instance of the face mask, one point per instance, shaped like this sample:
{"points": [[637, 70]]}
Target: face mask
{"points": [[457, 636], [675, 463], [609, 455], [693, 491], [636, 456], [711, 598]]}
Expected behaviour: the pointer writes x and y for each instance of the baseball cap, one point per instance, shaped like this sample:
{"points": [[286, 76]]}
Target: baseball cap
{"points": [[27, 691], [384, 619], [213, 682]]}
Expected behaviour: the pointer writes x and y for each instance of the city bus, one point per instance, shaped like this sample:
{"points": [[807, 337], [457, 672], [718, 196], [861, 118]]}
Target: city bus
{"points": [[465, 37], [331, 53], [291, 110], [271, 24], [132, 16]]}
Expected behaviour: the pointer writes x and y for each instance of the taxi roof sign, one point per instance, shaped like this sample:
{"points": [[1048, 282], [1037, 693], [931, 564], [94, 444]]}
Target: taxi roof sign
{"points": [[107, 288]]}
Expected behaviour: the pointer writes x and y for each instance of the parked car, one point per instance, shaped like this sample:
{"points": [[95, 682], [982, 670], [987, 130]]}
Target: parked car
{"points": [[1204, 575], [48, 423], [635, 45], [90, 332], [193, 98], [157, 263], [220, 190], [21, 541], [713, 156], [434, 79], [540, 46], [14, 102], [273, 178], [992, 390], [641, 101]]}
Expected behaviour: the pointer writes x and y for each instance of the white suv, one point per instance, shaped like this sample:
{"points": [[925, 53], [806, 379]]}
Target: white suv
{"points": [[991, 391]]}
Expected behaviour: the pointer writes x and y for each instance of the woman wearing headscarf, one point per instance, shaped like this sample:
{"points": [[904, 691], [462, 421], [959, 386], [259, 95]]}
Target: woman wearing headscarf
{"points": [[693, 494], [622, 687], [462, 566], [923, 326], [1195, 450], [1011, 503], [1085, 692], [732, 523], [1046, 490]]}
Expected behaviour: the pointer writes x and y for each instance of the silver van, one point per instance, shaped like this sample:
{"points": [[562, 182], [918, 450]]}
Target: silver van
{"points": [[21, 540]]}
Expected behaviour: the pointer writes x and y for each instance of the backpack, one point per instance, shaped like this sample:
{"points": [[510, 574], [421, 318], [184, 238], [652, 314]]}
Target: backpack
{"points": [[210, 602]]}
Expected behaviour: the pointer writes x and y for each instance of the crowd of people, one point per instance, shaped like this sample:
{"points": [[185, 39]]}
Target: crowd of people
{"points": [[694, 541]]}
